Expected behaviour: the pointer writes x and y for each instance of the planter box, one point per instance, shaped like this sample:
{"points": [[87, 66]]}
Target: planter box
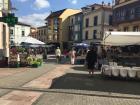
{"points": [[14, 65], [35, 65]]}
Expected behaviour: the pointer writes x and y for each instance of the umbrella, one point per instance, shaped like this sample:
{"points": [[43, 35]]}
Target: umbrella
{"points": [[81, 45], [30, 40]]}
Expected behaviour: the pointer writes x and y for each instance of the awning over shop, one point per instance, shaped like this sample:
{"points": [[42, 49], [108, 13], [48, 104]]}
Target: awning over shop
{"points": [[30, 40], [121, 38]]}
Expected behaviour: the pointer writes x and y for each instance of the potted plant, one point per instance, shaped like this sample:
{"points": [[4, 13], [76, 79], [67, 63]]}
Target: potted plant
{"points": [[30, 60], [40, 61], [14, 64], [35, 64]]}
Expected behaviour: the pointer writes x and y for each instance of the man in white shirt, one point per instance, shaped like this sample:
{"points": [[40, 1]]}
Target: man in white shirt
{"points": [[58, 54]]}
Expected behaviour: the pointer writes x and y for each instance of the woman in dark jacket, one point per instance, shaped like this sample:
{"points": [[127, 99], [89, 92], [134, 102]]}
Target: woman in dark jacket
{"points": [[91, 59]]}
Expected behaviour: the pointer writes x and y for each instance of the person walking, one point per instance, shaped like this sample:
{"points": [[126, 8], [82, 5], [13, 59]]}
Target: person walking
{"points": [[58, 54], [91, 60], [72, 56]]}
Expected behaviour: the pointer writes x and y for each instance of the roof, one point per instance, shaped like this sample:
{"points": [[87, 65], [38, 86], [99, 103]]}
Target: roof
{"points": [[42, 27], [23, 24], [80, 13], [99, 5], [55, 14]]}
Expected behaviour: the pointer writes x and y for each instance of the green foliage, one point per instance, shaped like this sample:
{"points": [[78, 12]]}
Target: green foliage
{"points": [[34, 62], [40, 61], [10, 19], [30, 60], [20, 49]]}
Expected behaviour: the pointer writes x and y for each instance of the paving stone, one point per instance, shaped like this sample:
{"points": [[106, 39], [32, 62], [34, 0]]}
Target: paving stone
{"points": [[21, 78], [69, 99], [20, 98], [45, 81], [3, 92]]}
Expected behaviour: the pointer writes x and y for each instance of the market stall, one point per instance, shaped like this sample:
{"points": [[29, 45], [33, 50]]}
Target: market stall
{"points": [[123, 54], [26, 53], [81, 50]]}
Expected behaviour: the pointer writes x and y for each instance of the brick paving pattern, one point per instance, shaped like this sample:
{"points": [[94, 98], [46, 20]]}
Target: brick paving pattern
{"points": [[19, 98], [69, 99], [64, 85], [45, 80]]}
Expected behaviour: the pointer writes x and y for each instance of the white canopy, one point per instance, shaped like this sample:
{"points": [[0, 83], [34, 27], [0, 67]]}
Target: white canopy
{"points": [[121, 38], [28, 39]]}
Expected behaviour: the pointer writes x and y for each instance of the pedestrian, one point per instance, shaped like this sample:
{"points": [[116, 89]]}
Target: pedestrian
{"points": [[18, 59], [58, 54], [72, 56], [91, 60]]}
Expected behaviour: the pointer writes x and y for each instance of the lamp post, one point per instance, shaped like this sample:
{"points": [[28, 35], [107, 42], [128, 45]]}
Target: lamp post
{"points": [[102, 21]]}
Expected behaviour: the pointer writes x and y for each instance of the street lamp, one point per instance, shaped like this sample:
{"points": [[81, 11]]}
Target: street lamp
{"points": [[102, 21]]}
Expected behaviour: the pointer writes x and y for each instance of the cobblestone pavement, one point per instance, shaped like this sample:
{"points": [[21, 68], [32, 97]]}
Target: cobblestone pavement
{"points": [[57, 84], [9, 71], [70, 99]]}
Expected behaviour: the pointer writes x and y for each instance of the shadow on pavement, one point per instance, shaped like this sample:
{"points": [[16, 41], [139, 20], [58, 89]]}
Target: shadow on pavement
{"points": [[79, 68], [96, 83]]}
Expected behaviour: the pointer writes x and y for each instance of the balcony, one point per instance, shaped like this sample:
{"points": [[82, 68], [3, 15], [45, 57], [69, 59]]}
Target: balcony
{"points": [[119, 4]]}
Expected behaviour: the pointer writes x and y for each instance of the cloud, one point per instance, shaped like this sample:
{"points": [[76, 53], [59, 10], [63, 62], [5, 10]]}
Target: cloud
{"points": [[39, 4], [73, 1], [35, 19]]}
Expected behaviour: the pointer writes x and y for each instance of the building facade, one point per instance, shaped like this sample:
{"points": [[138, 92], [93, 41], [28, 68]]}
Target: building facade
{"points": [[96, 19], [33, 32], [4, 6], [4, 40], [4, 34], [126, 15], [18, 31], [75, 27], [42, 34], [58, 30]]}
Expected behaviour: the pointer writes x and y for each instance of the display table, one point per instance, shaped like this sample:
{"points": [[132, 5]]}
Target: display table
{"points": [[121, 71]]}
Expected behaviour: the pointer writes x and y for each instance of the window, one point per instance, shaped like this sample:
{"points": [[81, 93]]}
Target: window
{"points": [[126, 29], [95, 20], [76, 37], [94, 34], [137, 11], [72, 21], [110, 20], [86, 35], [136, 28], [22, 33], [87, 22], [79, 18], [11, 31], [93, 8]]}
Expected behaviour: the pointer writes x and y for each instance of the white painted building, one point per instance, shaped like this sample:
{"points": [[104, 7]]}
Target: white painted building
{"points": [[18, 31], [97, 18], [4, 40]]}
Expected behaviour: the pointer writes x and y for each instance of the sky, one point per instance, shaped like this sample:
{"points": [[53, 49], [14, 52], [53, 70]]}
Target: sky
{"points": [[34, 12]]}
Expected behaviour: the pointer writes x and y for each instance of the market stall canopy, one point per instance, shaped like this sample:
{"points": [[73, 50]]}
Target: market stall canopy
{"points": [[30, 40], [81, 45], [121, 38]]}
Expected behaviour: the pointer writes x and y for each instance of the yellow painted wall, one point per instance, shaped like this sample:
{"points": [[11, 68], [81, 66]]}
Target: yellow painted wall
{"points": [[65, 23], [130, 25]]}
